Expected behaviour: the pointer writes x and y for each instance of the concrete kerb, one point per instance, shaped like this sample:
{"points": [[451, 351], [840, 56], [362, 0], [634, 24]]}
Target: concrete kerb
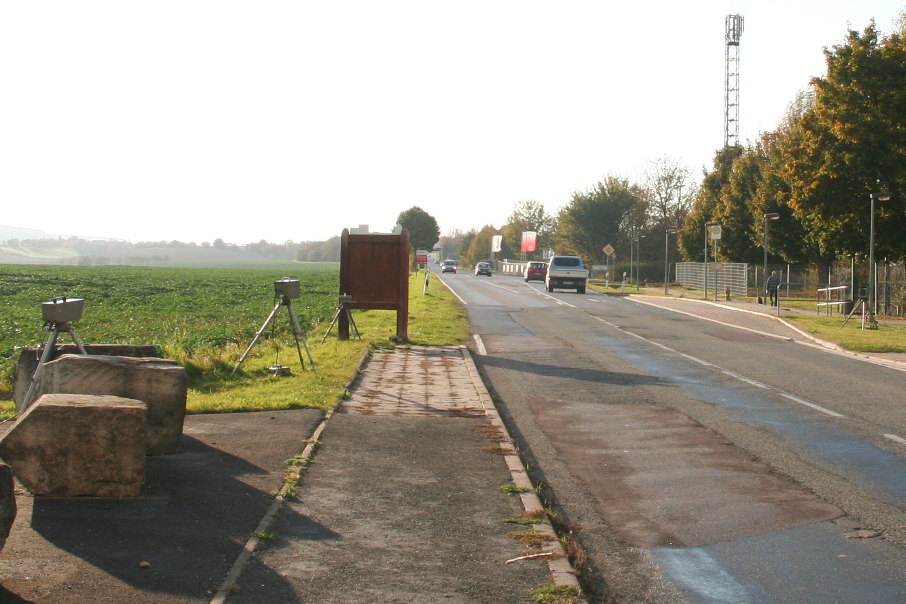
{"points": [[562, 571], [245, 556]]}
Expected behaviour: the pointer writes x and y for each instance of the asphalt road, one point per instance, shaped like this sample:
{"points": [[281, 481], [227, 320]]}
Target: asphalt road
{"points": [[699, 454]]}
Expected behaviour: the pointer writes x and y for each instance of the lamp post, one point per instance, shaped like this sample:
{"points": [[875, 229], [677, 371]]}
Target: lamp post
{"points": [[708, 226], [872, 274], [767, 217], [666, 259], [637, 263]]}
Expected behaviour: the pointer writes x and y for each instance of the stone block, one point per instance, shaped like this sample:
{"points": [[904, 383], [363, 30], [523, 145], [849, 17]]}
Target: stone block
{"points": [[77, 445], [161, 383], [7, 502], [28, 361]]}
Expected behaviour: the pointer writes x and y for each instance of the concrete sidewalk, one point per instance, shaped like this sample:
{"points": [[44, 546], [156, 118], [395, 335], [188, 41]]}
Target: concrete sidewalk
{"points": [[400, 502]]}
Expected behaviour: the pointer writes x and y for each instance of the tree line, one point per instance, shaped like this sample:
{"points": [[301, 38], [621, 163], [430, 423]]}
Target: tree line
{"points": [[840, 148]]}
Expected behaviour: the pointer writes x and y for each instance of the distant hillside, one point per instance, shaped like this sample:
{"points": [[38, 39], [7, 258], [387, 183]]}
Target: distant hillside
{"points": [[77, 251], [11, 233]]}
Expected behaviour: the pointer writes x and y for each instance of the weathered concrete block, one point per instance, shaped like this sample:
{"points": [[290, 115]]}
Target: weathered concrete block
{"points": [[74, 445], [28, 361], [161, 383], [7, 502]]}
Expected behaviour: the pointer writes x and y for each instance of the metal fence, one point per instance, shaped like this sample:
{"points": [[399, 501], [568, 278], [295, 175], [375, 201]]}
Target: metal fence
{"points": [[720, 275]]}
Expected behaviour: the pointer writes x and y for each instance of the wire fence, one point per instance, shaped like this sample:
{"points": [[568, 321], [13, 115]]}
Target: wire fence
{"points": [[848, 282]]}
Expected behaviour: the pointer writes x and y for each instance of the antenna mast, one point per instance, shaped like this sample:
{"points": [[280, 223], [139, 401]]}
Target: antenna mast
{"points": [[731, 80]]}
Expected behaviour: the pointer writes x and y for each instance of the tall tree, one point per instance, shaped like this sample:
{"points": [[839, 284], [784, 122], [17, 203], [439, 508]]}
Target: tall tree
{"points": [[528, 215], [851, 144], [600, 216], [668, 180], [706, 205], [422, 227]]}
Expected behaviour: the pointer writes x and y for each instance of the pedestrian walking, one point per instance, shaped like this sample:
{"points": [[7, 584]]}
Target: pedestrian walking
{"points": [[770, 287]]}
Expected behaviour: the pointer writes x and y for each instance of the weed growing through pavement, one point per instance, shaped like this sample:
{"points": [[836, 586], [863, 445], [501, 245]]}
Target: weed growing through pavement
{"points": [[531, 538], [556, 594], [533, 517], [512, 489], [264, 536]]}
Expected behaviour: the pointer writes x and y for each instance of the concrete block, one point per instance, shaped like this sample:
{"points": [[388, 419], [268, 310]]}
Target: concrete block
{"points": [[75, 445], [7, 502], [161, 383], [28, 361]]}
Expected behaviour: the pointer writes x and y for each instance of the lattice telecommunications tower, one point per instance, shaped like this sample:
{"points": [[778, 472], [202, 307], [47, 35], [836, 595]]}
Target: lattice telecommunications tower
{"points": [[731, 80]]}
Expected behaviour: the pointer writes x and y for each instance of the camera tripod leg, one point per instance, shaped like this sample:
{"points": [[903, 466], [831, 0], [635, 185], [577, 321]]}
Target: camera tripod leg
{"points": [[299, 334], [332, 323], [355, 329], [45, 356], [258, 335]]}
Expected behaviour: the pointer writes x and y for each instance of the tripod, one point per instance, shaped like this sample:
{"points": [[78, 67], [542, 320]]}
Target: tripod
{"points": [[55, 328], [342, 308], [867, 315], [297, 333]]}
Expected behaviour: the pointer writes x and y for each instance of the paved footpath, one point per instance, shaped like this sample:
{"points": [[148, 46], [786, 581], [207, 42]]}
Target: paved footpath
{"points": [[402, 500]]}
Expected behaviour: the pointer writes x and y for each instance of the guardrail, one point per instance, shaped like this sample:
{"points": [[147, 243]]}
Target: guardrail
{"points": [[829, 301]]}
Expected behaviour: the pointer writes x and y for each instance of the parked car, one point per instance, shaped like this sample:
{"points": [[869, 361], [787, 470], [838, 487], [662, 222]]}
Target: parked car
{"points": [[449, 266], [483, 268], [535, 270]]}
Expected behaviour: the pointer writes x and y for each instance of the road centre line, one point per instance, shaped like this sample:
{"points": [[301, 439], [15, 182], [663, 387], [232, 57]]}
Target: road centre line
{"points": [[726, 372]]}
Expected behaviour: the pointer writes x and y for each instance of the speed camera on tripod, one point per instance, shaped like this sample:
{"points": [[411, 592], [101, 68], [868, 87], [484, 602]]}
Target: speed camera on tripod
{"points": [[62, 310], [287, 289]]}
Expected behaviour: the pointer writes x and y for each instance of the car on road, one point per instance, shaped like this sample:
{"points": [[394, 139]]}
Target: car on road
{"points": [[483, 268], [449, 266], [535, 270], [566, 272]]}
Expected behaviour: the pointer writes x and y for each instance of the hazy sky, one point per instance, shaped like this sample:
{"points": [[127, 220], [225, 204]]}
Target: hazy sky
{"points": [[290, 120]]}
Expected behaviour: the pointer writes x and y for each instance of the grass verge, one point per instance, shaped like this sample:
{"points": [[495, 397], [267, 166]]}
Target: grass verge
{"points": [[435, 318]]}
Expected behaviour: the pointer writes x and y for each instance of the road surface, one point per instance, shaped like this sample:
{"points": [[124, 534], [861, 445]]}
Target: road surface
{"points": [[695, 453]]}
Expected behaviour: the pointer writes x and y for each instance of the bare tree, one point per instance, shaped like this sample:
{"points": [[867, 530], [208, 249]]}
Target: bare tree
{"points": [[671, 189]]}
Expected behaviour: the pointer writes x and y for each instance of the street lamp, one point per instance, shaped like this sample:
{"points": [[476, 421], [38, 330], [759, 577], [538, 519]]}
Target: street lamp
{"points": [[637, 263], [666, 259], [767, 217], [708, 226], [872, 274]]}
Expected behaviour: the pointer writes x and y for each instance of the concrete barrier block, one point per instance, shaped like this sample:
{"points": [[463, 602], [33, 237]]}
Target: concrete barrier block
{"points": [[161, 383], [76, 445], [29, 355], [7, 502]]}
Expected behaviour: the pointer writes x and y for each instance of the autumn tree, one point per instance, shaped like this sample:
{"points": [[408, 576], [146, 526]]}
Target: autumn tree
{"points": [[422, 227], [599, 216], [528, 215], [850, 144]]}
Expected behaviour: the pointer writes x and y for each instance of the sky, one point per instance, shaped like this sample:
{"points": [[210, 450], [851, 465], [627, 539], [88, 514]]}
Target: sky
{"points": [[193, 120]]}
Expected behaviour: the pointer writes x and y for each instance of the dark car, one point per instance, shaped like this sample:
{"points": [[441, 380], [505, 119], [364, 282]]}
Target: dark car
{"points": [[449, 266], [483, 268], [535, 271]]}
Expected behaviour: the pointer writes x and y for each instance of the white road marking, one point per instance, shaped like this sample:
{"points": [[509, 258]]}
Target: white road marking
{"points": [[479, 345], [689, 314], [727, 372], [896, 439]]}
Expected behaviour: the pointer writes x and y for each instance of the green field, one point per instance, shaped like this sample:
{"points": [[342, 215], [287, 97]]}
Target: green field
{"points": [[205, 319]]}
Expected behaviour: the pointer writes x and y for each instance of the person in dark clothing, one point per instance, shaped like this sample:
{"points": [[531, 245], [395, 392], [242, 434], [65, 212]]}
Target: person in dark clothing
{"points": [[770, 287]]}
